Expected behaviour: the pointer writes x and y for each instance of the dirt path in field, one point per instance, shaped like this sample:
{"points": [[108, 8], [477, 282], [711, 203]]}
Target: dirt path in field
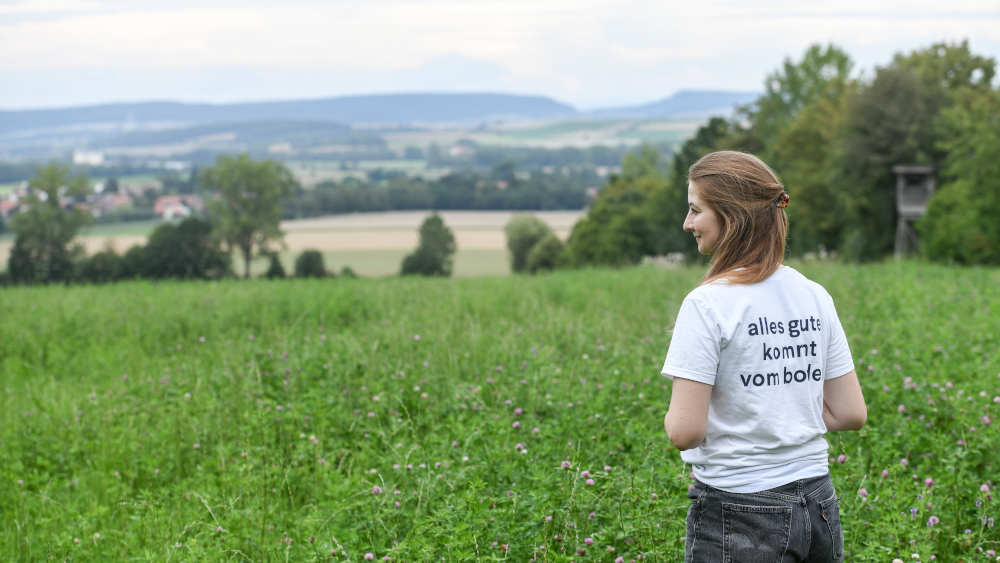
{"points": [[474, 230]]}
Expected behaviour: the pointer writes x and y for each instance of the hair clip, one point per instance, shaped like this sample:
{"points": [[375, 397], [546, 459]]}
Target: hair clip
{"points": [[782, 200]]}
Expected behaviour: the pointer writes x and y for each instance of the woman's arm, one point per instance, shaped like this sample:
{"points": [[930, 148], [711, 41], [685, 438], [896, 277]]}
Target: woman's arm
{"points": [[843, 404], [687, 418]]}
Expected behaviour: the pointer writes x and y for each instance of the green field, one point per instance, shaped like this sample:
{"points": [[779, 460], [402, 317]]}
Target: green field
{"points": [[129, 228], [560, 128], [430, 419], [312, 172]]}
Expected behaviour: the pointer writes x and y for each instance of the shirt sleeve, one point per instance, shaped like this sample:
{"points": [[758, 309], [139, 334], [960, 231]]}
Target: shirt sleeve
{"points": [[839, 361], [695, 345]]}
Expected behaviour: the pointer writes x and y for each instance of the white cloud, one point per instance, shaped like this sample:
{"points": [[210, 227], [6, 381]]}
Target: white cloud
{"points": [[578, 50], [44, 7]]}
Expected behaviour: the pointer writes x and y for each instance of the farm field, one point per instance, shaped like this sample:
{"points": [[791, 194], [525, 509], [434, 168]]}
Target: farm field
{"points": [[372, 244], [312, 172], [552, 134], [497, 418]]}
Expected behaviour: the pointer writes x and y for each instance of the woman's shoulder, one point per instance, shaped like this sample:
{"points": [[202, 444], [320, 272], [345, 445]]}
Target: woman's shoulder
{"points": [[790, 274], [791, 277]]}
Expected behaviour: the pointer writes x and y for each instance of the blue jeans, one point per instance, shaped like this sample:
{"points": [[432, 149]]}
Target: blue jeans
{"points": [[796, 522]]}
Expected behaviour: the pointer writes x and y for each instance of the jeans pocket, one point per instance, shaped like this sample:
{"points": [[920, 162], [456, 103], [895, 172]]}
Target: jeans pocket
{"points": [[755, 533], [830, 512]]}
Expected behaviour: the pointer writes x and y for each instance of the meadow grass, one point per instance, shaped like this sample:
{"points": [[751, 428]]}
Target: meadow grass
{"points": [[125, 228], [430, 419]]}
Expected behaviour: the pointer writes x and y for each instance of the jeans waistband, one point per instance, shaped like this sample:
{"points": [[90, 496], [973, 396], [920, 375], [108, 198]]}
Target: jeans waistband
{"points": [[794, 491]]}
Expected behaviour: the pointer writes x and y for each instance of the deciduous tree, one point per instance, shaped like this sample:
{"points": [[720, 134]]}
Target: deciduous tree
{"points": [[53, 214], [186, 250], [433, 256], [523, 232], [247, 212], [892, 121], [962, 224]]}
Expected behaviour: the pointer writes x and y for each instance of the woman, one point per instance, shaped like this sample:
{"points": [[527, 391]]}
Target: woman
{"points": [[761, 370]]}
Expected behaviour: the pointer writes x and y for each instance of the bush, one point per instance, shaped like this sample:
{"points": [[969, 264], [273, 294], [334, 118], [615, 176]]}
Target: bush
{"points": [[547, 254], [610, 236], [422, 262], [433, 256], [348, 272], [39, 263], [275, 270], [523, 232], [961, 225], [103, 267], [134, 263], [309, 264], [183, 251]]}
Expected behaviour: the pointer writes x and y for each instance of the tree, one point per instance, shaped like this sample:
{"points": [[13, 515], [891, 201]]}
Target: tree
{"points": [[668, 205], [546, 254], [433, 256], [892, 121], [111, 186], [523, 232], [275, 270], [961, 224], [618, 228], [53, 214], [247, 213], [615, 232], [808, 149], [102, 267], [135, 263], [185, 250], [823, 72]]}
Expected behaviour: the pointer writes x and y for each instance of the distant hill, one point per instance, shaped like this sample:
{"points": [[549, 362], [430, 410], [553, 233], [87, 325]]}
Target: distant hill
{"points": [[379, 108], [255, 135], [683, 103], [327, 126]]}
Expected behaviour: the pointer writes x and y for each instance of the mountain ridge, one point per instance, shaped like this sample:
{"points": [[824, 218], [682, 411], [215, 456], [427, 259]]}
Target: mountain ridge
{"points": [[395, 108]]}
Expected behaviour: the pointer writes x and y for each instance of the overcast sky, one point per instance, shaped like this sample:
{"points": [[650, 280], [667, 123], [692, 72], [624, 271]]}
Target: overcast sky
{"points": [[587, 53]]}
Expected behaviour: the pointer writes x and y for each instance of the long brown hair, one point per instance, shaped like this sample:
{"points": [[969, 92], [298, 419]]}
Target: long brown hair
{"points": [[742, 190]]}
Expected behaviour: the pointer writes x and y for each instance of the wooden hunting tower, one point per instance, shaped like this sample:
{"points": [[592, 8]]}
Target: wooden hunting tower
{"points": [[914, 187]]}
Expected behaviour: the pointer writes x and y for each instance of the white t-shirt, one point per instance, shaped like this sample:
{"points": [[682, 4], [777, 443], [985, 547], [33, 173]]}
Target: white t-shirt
{"points": [[766, 348]]}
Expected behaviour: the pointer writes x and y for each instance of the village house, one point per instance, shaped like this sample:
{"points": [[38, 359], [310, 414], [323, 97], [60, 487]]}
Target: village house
{"points": [[8, 205], [106, 203], [169, 207]]}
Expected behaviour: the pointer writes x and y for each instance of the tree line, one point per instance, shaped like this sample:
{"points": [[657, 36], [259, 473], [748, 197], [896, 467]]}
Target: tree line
{"points": [[243, 216], [833, 137], [501, 188]]}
